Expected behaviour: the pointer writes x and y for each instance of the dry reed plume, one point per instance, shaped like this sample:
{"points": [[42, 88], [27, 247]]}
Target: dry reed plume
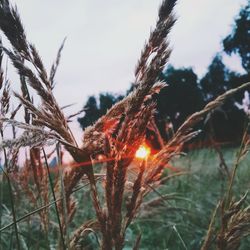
{"points": [[116, 136]]}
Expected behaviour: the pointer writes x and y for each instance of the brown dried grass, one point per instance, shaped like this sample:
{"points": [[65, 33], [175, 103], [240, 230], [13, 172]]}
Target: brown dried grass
{"points": [[117, 135]]}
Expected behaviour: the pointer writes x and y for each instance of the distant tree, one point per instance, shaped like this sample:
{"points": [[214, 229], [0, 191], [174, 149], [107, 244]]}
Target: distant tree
{"points": [[106, 101], [215, 81], [95, 108], [226, 123], [181, 97], [186, 94], [91, 112], [238, 41], [235, 80]]}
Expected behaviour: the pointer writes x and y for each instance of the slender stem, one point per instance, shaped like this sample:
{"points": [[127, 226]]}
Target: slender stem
{"points": [[1, 202], [64, 202], [106, 240], [12, 208], [179, 236], [54, 200], [210, 231], [11, 195], [40, 209], [236, 164]]}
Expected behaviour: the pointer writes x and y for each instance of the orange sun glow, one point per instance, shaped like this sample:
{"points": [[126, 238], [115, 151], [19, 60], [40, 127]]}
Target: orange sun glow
{"points": [[142, 152]]}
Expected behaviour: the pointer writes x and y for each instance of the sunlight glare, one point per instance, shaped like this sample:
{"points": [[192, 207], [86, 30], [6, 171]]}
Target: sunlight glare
{"points": [[142, 152]]}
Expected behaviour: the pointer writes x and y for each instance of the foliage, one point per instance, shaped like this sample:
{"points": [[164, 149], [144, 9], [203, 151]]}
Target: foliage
{"points": [[93, 110], [238, 41], [182, 97], [190, 201], [215, 81], [105, 172], [186, 93]]}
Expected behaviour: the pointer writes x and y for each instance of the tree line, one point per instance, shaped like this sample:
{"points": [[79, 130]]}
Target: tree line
{"points": [[186, 93]]}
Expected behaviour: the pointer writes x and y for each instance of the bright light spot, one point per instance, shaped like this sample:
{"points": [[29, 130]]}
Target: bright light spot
{"points": [[142, 152]]}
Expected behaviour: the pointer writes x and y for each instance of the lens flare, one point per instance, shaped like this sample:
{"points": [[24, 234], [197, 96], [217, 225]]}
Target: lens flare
{"points": [[143, 152]]}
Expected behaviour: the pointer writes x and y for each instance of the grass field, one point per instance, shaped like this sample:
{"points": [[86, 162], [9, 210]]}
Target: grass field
{"points": [[176, 216], [182, 222], [109, 197]]}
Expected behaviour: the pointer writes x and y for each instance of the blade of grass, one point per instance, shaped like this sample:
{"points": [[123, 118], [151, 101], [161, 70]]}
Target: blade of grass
{"points": [[210, 230], [64, 202], [11, 195], [236, 164], [1, 209], [40, 208], [12, 207], [179, 236], [54, 199]]}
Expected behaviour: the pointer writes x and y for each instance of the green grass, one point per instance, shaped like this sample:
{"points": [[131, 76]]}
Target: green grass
{"points": [[178, 223], [197, 194]]}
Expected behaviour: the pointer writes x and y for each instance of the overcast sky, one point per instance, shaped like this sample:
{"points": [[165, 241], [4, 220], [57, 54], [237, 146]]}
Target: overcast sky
{"points": [[104, 39]]}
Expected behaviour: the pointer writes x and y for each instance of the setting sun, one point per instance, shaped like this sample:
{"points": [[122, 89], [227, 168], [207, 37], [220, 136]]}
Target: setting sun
{"points": [[142, 152]]}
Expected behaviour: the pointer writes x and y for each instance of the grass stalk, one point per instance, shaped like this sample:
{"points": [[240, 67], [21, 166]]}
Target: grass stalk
{"points": [[63, 194], [1, 209], [207, 241], [179, 236], [11, 195], [54, 200], [12, 207], [39, 209], [236, 164], [13, 211]]}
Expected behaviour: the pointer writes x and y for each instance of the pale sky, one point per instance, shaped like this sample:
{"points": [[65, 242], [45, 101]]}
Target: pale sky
{"points": [[104, 39]]}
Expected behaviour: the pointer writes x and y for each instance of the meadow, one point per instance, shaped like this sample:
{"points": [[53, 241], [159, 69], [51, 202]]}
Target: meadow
{"points": [[176, 216], [117, 193]]}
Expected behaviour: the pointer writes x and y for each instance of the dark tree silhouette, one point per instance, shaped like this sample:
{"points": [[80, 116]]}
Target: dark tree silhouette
{"points": [[181, 97], [91, 112], [95, 108], [186, 94], [215, 81], [238, 41]]}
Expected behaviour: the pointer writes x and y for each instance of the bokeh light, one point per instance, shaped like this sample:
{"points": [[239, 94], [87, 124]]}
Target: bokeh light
{"points": [[143, 152]]}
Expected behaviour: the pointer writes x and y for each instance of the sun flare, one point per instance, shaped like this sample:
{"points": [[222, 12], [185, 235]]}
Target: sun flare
{"points": [[143, 152]]}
